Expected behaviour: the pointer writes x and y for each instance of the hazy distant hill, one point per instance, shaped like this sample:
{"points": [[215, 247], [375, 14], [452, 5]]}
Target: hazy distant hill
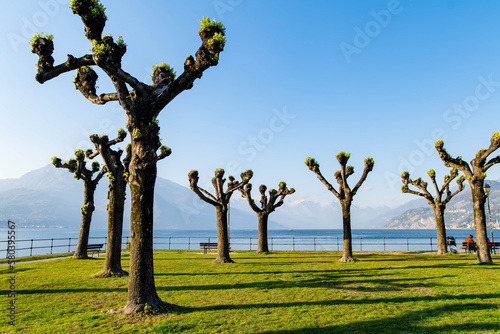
{"points": [[52, 197], [458, 212], [313, 214]]}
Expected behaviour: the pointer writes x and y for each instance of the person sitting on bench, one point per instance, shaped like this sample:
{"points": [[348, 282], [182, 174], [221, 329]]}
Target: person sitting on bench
{"points": [[470, 238]]}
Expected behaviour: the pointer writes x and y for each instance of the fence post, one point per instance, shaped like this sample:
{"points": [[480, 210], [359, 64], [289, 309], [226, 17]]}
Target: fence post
{"points": [[360, 244], [337, 244], [250, 243], [271, 243], [51, 245], [189, 243], [293, 243], [69, 244], [407, 244], [169, 243], [431, 244], [384, 243], [314, 242], [31, 248]]}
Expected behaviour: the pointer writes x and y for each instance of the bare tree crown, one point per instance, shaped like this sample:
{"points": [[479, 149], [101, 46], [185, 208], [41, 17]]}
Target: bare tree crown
{"points": [[267, 203], [422, 186], [221, 197], [341, 175]]}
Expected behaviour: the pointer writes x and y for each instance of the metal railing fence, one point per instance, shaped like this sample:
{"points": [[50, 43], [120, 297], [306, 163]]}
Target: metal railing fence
{"points": [[31, 247]]}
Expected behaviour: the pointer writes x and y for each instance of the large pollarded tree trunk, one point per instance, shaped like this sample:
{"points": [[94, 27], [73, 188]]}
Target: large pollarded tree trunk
{"points": [[222, 236], [221, 203], [440, 228], [479, 198], [347, 234], [87, 210], [267, 206], [142, 288], [142, 104], [262, 245], [475, 173], [345, 195], [142, 169], [439, 203], [79, 169], [116, 206]]}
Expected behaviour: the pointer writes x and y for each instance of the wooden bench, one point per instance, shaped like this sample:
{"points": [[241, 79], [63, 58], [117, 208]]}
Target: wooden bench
{"points": [[94, 248], [471, 246], [208, 245]]}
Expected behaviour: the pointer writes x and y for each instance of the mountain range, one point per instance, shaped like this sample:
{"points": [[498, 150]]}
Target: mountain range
{"points": [[51, 197], [458, 213]]}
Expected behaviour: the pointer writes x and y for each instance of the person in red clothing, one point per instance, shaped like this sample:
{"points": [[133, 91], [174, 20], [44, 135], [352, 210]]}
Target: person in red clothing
{"points": [[470, 238]]}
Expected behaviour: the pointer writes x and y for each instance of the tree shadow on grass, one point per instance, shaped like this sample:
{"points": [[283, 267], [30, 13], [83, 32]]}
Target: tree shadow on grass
{"points": [[336, 272], [70, 290], [331, 281], [456, 305], [317, 282], [413, 322], [7, 271]]}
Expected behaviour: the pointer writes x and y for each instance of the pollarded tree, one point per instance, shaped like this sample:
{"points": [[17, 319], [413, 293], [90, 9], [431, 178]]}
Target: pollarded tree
{"points": [[475, 173], [221, 203], [438, 204], [268, 205], [142, 105], [345, 195], [80, 171]]}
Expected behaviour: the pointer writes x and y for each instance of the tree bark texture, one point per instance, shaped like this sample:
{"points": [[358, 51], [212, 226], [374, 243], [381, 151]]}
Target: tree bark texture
{"points": [[263, 247], [479, 200], [441, 229], [141, 287], [113, 263], [222, 236], [346, 220], [87, 210]]}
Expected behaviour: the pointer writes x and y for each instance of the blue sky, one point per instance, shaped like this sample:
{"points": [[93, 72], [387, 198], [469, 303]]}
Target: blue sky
{"points": [[375, 78]]}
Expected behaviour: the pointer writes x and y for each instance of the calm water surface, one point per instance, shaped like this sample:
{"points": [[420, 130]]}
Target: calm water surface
{"points": [[57, 240]]}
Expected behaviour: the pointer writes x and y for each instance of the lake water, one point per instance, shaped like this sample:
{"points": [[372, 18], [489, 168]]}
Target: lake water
{"points": [[58, 240]]}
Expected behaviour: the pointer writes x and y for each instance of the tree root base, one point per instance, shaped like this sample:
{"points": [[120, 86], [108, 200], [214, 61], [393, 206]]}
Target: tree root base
{"points": [[80, 257], [156, 307], [262, 252], [223, 260], [110, 274]]}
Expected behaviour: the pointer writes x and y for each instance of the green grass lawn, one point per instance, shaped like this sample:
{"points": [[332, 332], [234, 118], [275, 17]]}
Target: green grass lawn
{"points": [[283, 292]]}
